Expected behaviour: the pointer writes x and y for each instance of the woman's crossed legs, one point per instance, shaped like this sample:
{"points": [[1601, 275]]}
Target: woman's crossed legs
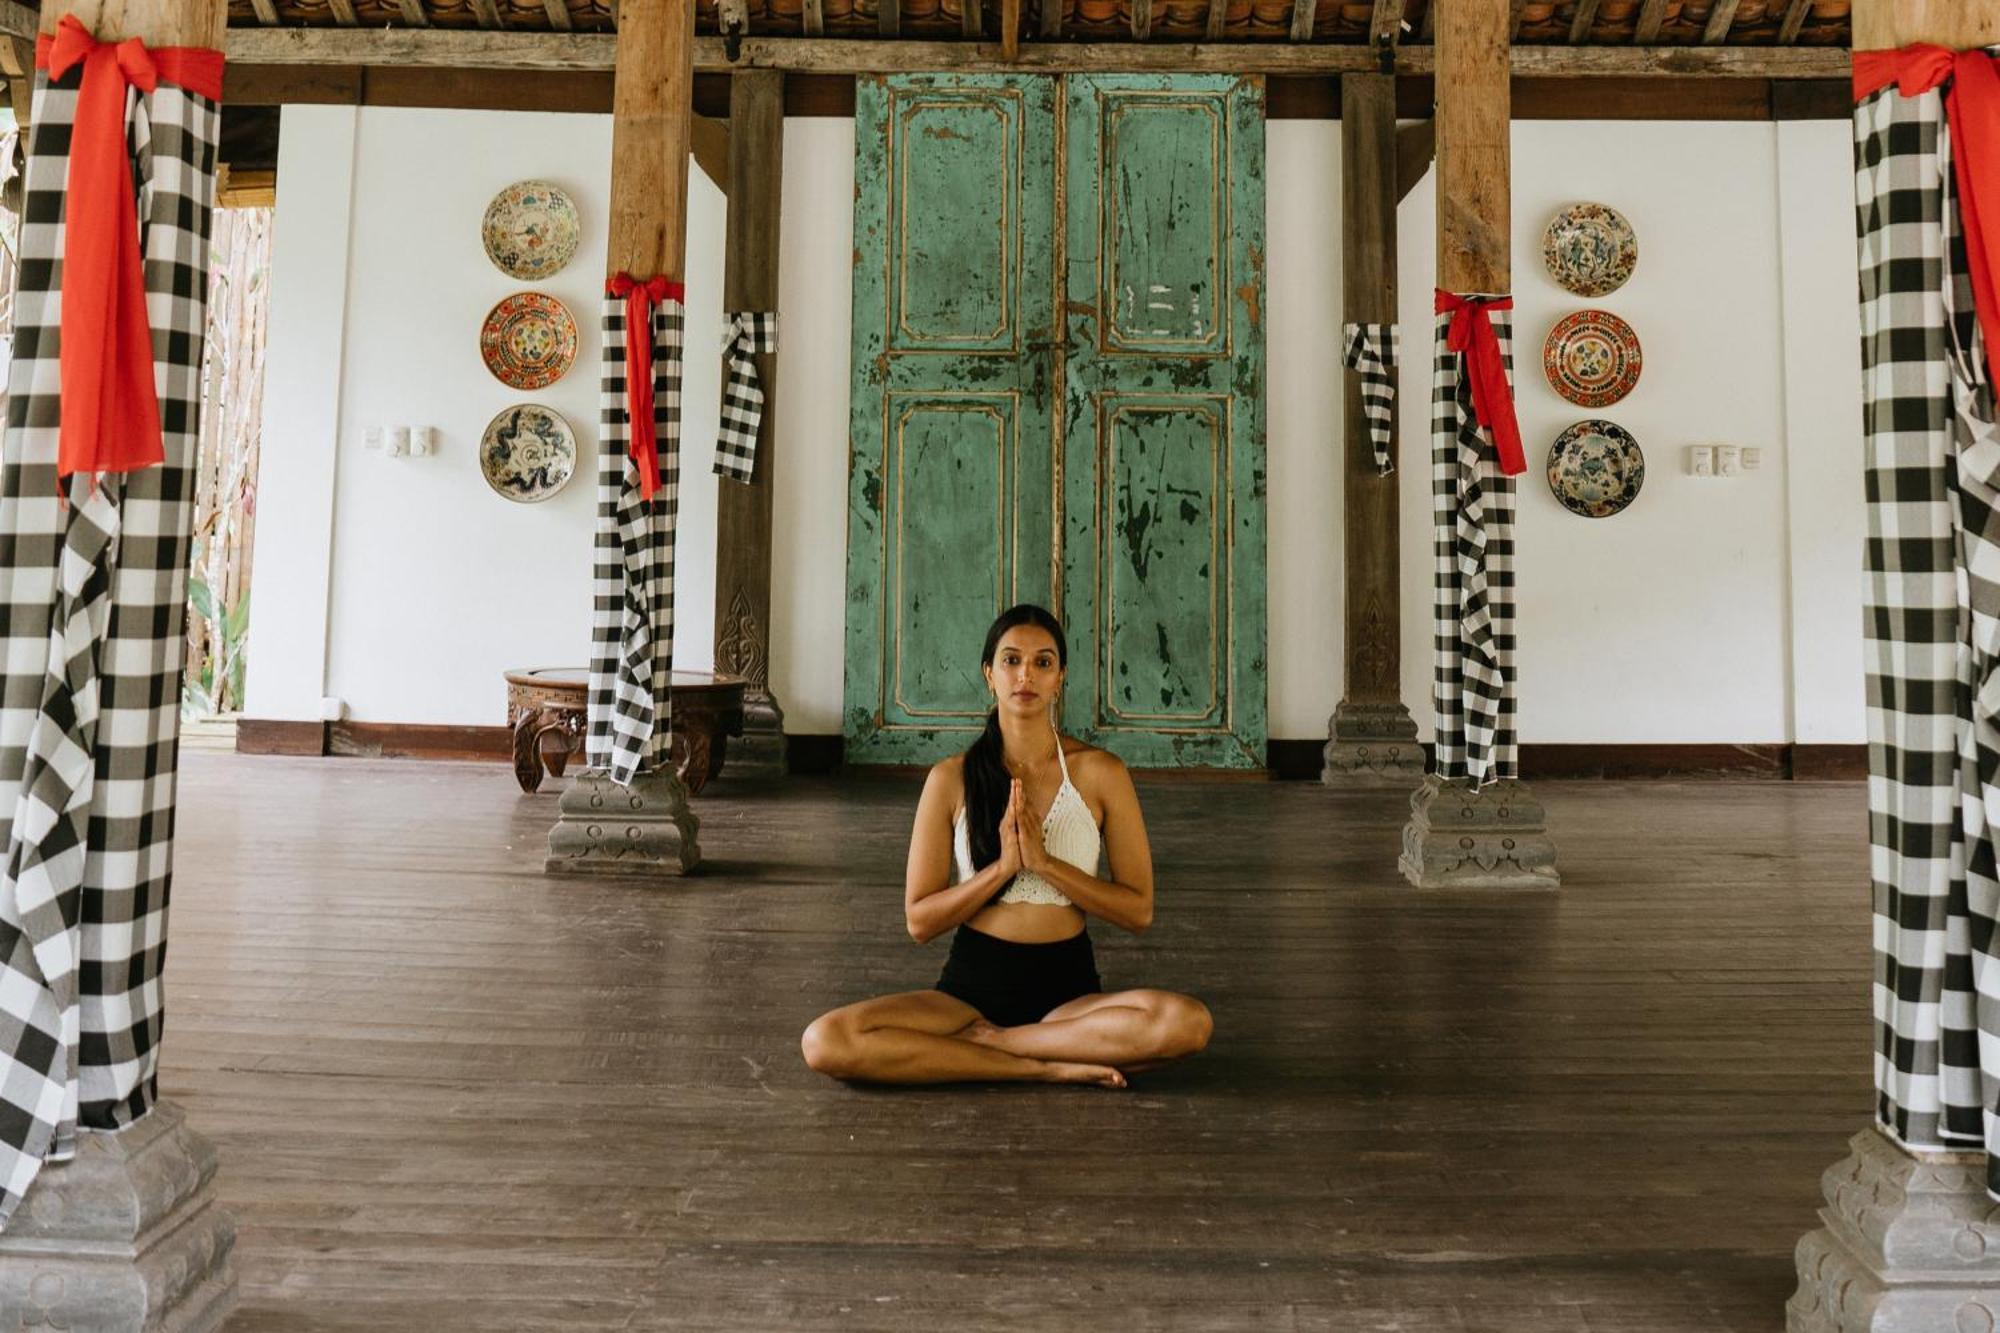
{"points": [[930, 1037]]}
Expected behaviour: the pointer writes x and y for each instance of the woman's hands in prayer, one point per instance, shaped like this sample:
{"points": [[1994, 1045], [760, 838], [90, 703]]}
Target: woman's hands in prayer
{"points": [[1010, 838], [1027, 831]]}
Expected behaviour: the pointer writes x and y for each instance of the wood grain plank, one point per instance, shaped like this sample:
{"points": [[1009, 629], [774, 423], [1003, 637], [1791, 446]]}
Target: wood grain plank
{"points": [[467, 49], [1646, 29], [450, 1092], [1385, 23], [559, 16], [1473, 160], [813, 17], [1142, 18]]}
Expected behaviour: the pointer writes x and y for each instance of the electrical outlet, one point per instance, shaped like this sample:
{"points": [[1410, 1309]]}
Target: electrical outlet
{"points": [[1701, 460], [398, 441], [1728, 460], [423, 440]]}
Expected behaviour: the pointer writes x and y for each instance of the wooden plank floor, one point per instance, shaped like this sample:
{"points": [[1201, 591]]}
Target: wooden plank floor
{"points": [[451, 1093]]}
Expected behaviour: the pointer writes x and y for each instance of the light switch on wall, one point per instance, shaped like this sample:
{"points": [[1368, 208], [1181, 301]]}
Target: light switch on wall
{"points": [[1701, 460], [398, 441], [372, 438], [423, 440], [1728, 460]]}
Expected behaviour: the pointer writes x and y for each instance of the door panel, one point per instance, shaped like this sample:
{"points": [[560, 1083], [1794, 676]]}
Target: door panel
{"points": [[1163, 456], [949, 513]]}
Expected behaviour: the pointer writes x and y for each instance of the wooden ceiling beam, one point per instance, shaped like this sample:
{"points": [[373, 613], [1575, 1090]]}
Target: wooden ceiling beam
{"points": [[971, 14], [1652, 14], [343, 12], [813, 17], [1052, 17], [1385, 25], [1795, 18], [558, 12], [1010, 29], [1579, 27], [889, 17], [466, 49], [413, 13], [1218, 13], [1720, 16], [267, 12], [1514, 21], [488, 14], [1305, 17]]}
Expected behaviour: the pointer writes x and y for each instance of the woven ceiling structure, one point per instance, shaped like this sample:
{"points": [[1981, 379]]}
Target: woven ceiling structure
{"points": [[1570, 22]]}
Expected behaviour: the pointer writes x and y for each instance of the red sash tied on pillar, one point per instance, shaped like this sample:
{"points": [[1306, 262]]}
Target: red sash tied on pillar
{"points": [[1972, 110], [1471, 334], [640, 297], [110, 405]]}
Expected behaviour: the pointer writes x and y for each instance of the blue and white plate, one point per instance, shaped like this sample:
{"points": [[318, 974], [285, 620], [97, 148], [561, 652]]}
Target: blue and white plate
{"points": [[528, 453], [1595, 468]]}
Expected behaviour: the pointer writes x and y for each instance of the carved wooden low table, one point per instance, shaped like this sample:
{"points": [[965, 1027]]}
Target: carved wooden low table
{"points": [[546, 708]]}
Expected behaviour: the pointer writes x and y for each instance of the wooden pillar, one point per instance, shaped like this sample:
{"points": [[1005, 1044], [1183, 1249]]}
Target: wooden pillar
{"points": [[743, 510], [646, 828], [652, 131], [1958, 24], [1474, 108], [128, 1233], [1903, 1247], [1372, 741], [1495, 837]]}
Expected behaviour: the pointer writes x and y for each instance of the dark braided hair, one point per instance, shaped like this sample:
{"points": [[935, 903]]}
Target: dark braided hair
{"points": [[987, 783]]}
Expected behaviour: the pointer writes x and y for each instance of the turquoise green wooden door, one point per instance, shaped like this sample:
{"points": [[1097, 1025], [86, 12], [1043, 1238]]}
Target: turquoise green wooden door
{"points": [[1163, 405], [950, 515]]}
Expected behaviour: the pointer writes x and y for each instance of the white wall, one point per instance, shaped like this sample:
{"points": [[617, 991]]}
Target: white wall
{"points": [[1713, 610]]}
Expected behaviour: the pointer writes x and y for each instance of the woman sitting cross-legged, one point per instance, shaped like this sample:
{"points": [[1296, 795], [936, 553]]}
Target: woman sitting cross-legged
{"points": [[1023, 813]]}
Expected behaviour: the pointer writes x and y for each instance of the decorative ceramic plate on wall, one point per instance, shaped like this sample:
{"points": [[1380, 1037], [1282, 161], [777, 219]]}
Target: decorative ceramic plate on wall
{"points": [[1595, 468], [528, 341], [531, 230], [1592, 358], [528, 453], [1590, 249]]}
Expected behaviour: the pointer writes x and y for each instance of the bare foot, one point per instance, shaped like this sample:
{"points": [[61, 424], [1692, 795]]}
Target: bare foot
{"points": [[1102, 1075], [981, 1032]]}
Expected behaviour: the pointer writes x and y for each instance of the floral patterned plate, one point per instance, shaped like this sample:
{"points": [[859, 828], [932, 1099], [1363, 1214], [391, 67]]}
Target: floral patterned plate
{"points": [[528, 340], [1592, 358], [1595, 468], [1590, 249], [531, 230], [528, 453]]}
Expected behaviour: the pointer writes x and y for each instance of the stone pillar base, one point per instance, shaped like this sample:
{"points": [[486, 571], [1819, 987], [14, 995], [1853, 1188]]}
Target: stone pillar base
{"points": [[1907, 1246], [123, 1237], [606, 829], [1495, 838], [758, 755], [1372, 747]]}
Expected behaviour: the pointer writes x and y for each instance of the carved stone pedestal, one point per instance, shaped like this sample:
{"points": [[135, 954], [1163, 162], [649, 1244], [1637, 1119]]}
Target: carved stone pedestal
{"points": [[1495, 838], [1907, 1246], [125, 1236], [758, 754], [1372, 746], [606, 829]]}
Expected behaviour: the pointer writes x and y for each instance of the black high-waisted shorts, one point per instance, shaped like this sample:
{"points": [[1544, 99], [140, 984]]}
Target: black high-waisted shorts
{"points": [[1014, 984]]}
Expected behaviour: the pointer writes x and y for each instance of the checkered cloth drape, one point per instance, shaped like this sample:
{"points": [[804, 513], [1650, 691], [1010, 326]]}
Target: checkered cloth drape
{"points": [[632, 624], [1932, 631], [1370, 350], [1472, 506], [94, 595], [748, 335]]}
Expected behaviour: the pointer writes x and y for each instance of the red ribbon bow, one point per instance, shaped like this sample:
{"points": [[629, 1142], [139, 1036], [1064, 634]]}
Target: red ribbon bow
{"points": [[1972, 109], [110, 405], [640, 298], [1471, 333]]}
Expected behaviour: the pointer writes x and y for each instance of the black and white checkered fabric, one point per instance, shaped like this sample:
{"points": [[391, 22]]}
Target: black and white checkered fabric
{"points": [[1472, 506], [95, 597], [1370, 350], [1932, 634], [749, 335], [632, 625]]}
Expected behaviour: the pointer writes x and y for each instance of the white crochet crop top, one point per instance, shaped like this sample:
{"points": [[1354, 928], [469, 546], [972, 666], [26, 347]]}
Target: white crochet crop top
{"points": [[1068, 832]]}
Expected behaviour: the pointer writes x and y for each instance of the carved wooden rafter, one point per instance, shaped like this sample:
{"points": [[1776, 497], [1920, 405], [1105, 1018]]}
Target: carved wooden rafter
{"points": [[1304, 15], [1795, 18], [414, 14], [1579, 27], [1652, 14], [813, 17], [488, 14], [558, 12], [1385, 24], [1142, 18]]}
